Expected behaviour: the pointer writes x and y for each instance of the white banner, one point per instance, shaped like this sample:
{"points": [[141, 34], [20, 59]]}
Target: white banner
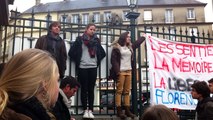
{"points": [[173, 68]]}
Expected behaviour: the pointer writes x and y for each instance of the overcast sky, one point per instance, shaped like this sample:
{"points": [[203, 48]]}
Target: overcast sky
{"points": [[23, 5], [208, 10]]}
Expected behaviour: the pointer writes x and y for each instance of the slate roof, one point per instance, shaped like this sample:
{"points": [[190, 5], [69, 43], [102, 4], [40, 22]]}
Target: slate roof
{"points": [[98, 4]]}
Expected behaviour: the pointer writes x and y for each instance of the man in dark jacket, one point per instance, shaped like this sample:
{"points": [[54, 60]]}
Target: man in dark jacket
{"points": [[211, 85], [68, 87], [201, 92], [54, 44]]}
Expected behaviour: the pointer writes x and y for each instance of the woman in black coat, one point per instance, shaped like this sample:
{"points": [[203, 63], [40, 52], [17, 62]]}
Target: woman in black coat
{"points": [[87, 54]]}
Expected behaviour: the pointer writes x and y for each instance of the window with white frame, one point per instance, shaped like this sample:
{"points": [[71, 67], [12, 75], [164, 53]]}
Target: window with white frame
{"points": [[143, 71], [193, 33], [48, 19], [147, 15], [75, 18], [73, 37], [169, 17], [124, 15], [63, 18], [106, 37], [171, 32], [31, 22], [148, 31], [145, 80], [107, 16], [96, 17], [190, 13], [85, 18]]}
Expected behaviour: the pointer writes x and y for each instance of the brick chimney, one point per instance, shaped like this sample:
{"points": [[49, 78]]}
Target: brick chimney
{"points": [[37, 2]]}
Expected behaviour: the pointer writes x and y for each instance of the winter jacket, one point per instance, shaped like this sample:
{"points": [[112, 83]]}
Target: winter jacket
{"points": [[116, 57], [204, 109], [31, 109], [75, 51], [57, 48], [9, 114], [60, 110]]}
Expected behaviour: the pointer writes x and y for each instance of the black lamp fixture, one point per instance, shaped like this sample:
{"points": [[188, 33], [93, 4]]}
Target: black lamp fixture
{"points": [[132, 3]]}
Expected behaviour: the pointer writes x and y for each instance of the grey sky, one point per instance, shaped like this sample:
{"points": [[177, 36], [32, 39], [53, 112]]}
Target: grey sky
{"points": [[208, 10], [23, 5]]}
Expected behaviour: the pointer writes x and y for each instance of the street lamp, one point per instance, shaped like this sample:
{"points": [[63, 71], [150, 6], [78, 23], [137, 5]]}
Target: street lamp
{"points": [[133, 16], [132, 4]]}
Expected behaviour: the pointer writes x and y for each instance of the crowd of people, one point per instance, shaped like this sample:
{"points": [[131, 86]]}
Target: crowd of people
{"points": [[30, 91]]}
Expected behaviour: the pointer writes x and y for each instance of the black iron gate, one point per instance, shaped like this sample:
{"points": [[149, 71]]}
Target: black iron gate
{"points": [[22, 33]]}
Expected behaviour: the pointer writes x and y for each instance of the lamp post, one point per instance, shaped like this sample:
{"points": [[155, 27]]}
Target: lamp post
{"points": [[133, 16]]}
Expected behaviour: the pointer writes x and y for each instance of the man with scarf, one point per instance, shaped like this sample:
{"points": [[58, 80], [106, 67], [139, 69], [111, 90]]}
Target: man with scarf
{"points": [[54, 44], [87, 54], [68, 87]]}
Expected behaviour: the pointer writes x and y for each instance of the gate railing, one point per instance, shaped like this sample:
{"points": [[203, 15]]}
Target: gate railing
{"points": [[184, 35], [22, 33]]}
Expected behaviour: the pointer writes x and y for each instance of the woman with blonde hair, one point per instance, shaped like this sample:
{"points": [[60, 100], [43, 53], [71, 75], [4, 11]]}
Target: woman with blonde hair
{"points": [[29, 86], [159, 112]]}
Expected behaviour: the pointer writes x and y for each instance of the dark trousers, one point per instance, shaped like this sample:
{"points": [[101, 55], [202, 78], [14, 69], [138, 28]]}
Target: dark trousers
{"points": [[87, 78]]}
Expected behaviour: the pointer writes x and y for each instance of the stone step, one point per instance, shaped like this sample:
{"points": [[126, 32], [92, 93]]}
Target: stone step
{"points": [[102, 117]]}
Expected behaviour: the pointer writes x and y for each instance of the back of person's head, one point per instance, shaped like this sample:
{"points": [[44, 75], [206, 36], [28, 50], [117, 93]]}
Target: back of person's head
{"points": [[202, 88], [211, 80], [122, 38], [27, 74], [69, 80], [159, 112]]}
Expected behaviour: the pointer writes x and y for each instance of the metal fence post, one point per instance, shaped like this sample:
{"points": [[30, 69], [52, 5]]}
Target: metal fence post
{"points": [[132, 16]]}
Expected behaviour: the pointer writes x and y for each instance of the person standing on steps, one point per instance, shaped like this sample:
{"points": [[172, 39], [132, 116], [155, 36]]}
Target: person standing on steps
{"points": [[87, 54], [121, 60], [55, 45]]}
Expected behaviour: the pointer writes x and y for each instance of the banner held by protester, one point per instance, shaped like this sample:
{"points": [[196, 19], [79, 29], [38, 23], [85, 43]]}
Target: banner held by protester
{"points": [[173, 68]]}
